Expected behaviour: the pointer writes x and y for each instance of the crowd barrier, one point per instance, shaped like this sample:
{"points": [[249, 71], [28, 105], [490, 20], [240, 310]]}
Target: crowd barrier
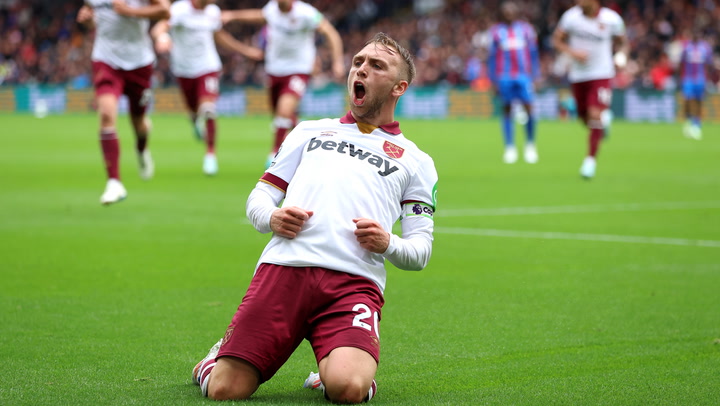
{"points": [[422, 102]]}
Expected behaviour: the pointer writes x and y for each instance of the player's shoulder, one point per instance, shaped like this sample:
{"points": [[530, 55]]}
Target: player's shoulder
{"points": [[213, 10], [307, 11], [421, 154], [412, 149], [419, 159], [271, 6], [305, 130], [523, 23], [305, 7], [526, 26], [312, 127], [180, 6], [495, 27], [571, 17], [318, 123], [607, 13], [573, 12]]}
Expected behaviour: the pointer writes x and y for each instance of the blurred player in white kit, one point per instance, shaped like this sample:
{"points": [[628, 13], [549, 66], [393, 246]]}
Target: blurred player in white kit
{"points": [[589, 33], [122, 62], [290, 55], [191, 35]]}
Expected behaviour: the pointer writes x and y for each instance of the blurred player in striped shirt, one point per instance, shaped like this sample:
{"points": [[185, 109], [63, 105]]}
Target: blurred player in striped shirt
{"points": [[513, 66], [695, 62]]}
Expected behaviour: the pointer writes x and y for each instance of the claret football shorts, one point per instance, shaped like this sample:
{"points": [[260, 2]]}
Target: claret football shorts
{"points": [[284, 305]]}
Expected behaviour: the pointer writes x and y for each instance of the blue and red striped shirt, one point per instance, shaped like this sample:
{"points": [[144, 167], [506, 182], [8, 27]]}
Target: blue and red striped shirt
{"points": [[696, 56], [513, 51]]}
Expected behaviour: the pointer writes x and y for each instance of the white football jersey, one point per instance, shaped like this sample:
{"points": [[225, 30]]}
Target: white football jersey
{"points": [[290, 38], [332, 168], [121, 42], [594, 35], [193, 53]]}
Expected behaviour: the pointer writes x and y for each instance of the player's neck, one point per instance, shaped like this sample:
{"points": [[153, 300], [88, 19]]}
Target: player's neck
{"points": [[285, 7], [376, 120], [591, 11]]}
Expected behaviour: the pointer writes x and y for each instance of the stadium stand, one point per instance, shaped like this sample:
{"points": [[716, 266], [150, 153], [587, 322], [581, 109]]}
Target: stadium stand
{"points": [[40, 42]]}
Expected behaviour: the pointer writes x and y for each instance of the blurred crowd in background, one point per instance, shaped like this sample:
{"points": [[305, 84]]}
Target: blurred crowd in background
{"points": [[40, 41]]}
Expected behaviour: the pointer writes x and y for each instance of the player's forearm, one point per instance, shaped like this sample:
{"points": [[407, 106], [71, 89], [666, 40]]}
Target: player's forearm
{"points": [[228, 42], [159, 10], [86, 17], [561, 46], [161, 36], [249, 16], [335, 42], [535, 62], [622, 45], [559, 42], [412, 251], [622, 49], [491, 69], [160, 30], [261, 204]]}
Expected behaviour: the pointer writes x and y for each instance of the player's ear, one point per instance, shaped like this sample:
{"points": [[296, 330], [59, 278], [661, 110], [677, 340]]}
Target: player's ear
{"points": [[400, 88]]}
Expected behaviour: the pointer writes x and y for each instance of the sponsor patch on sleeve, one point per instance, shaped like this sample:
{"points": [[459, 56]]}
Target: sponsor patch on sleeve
{"points": [[418, 209]]}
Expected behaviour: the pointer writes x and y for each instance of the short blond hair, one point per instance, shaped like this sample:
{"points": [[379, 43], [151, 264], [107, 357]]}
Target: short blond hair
{"points": [[385, 40]]}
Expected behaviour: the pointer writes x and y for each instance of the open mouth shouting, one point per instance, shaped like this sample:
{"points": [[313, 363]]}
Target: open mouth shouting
{"points": [[358, 97]]}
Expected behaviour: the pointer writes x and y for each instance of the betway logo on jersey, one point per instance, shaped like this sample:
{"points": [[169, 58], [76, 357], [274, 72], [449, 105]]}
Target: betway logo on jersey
{"points": [[353, 152], [588, 36], [105, 5]]}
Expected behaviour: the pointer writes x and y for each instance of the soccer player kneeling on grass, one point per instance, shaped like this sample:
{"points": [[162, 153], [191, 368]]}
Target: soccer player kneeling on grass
{"points": [[343, 183]]}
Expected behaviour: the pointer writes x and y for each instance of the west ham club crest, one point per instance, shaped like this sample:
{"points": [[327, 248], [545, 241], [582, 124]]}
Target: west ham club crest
{"points": [[392, 150]]}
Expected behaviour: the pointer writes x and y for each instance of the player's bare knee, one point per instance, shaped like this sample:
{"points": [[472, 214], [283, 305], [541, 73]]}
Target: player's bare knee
{"points": [[282, 122], [224, 391], [207, 110], [233, 379], [107, 119], [139, 122], [347, 391], [347, 397]]}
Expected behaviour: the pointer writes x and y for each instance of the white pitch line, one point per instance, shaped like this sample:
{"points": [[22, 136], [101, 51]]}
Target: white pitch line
{"points": [[590, 208], [549, 235]]}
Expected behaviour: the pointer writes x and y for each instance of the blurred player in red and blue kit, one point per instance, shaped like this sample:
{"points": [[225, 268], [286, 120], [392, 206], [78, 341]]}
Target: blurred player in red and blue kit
{"points": [[513, 66], [695, 61]]}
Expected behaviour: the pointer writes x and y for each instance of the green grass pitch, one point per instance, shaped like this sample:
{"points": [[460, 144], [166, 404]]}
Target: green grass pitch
{"points": [[543, 288]]}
